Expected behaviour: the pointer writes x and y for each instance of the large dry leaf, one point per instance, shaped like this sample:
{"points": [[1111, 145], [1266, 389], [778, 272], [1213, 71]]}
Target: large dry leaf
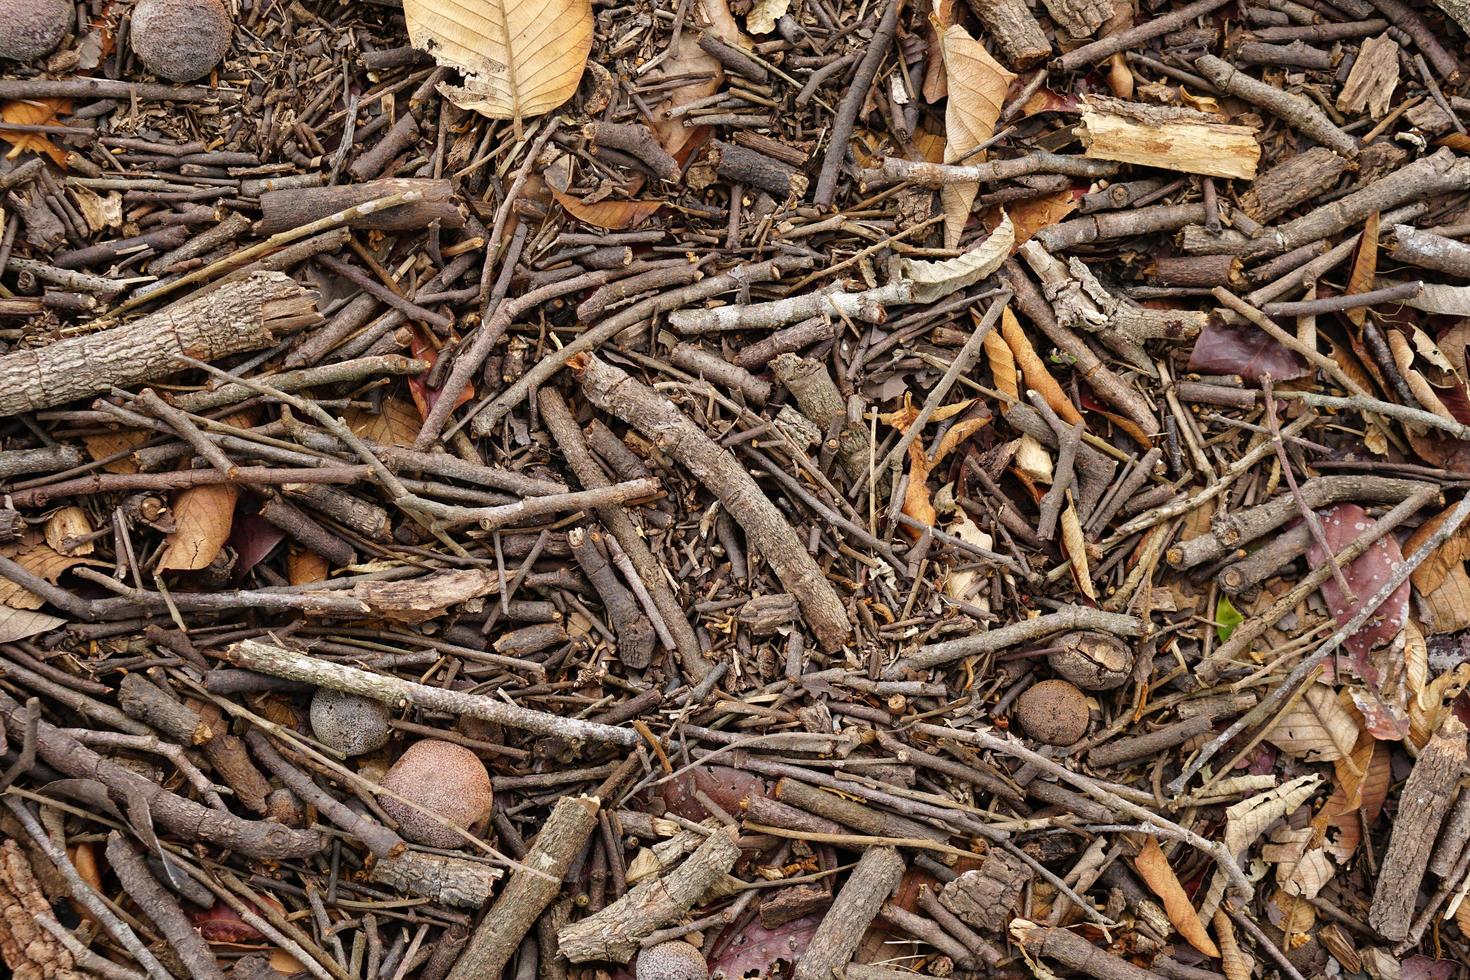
{"points": [[764, 14], [1438, 297], [1301, 869], [1343, 524], [18, 624], [1153, 868], [610, 215], [108, 444], [1234, 963], [937, 279], [1362, 783], [396, 424], [519, 58], [41, 560], [1317, 728], [1036, 213], [203, 518], [689, 60], [1365, 267], [977, 90], [1247, 820], [1227, 348], [34, 112], [304, 566], [1004, 376]]}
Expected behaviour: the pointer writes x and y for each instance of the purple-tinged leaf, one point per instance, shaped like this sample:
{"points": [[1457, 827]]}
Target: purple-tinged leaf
{"points": [[757, 950], [1224, 348], [1342, 525]]}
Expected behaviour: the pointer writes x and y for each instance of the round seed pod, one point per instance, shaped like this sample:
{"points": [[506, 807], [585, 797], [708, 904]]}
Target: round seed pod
{"points": [[675, 960], [181, 40], [31, 28], [1093, 661], [350, 724], [1054, 712], [443, 778]]}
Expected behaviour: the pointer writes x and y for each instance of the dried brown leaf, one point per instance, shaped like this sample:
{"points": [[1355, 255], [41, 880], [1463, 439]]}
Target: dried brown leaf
{"points": [[1034, 370], [69, 523], [1153, 868], [1234, 963], [203, 517], [1074, 545], [1247, 820], [42, 560], [519, 58], [611, 215], [1317, 728], [977, 90], [18, 624]]}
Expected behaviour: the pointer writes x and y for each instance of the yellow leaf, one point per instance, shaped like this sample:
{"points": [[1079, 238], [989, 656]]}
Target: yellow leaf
{"points": [[977, 90], [1033, 369], [34, 112], [611, 215], [1035, 213], [519, 58], [304, 566], [1153, 868], [1365, 267], [1233, 963], [1074, 543], [203, 517], [1002, 365]]}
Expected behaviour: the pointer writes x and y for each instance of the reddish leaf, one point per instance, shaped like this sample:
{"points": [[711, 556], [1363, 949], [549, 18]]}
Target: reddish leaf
{"points": [[1342, 525], [222, 924], [253, 539], [1224, 348], [423, 396], [757, 950], [1423, 968], [726, 786]]}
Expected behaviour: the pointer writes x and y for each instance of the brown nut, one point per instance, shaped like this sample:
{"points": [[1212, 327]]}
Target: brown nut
{"points": [[31, 28], [1092, 661], [181, 40], [675, 960], [1054, 712], [443, 778]]}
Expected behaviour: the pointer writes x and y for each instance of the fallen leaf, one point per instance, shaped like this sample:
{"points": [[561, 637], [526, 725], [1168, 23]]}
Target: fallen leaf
{"points": [[44, 561], [1341, 525], [1365, 267], [108, 444], [34, 112], [935, 280], [1437, 297], [757, 950], [1234, 963], [611, 215], [203, 518], [1074, 545], [18, 624], [1247, 820], [69, 524], [1226, 348], [254, 538], [425, 397], [519, 58], [689, 59], [1317, 728], [1034, 370], [977, 89], [1036, 213], [419, 599], [396, 424], [304, 566], [1003, 373], [1362, 783], [727, 786], [763, 16], [1153, 867]]}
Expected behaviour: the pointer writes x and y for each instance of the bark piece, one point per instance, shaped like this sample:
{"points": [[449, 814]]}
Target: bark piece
{"points": [[792, 903], [1072, 950], [842, 928], [613, 390], [633, 629], [1170, 137], [1374, 76], [1425, 800], [987, 898], [241, 315], [1429, 251], [438, 877], [851, 813], [744, 165], [527, 895], [1297, 179], [286, 209], [1015, 30], [613, 933], [817, 395], [1080, 18]]}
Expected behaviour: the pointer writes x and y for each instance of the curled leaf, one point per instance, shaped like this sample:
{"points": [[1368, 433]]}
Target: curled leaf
{"points": [[1153, 868]]}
